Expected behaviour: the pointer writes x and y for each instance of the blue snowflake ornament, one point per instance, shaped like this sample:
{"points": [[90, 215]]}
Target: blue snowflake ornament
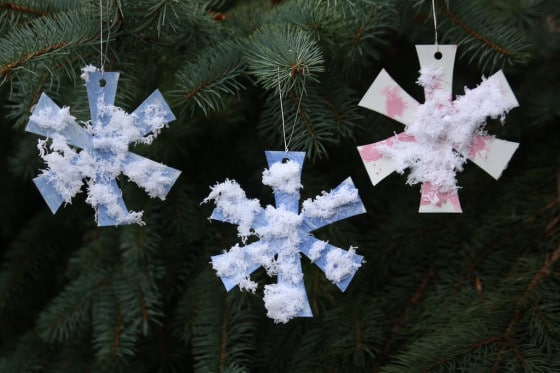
{"points": [[282, 233], [102, 152]]}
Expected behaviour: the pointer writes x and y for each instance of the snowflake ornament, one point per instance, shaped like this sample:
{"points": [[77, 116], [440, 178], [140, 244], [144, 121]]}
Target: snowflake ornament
{"points": [[441, 134], [282, 233], [102, 153]]}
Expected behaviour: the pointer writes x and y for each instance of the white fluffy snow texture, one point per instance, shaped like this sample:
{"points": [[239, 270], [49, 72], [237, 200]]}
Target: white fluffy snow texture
{"points": [[54, 120], [103, 194], [155, 118], [281, 224], [64, 176], [326, 205], [443, 130], [118, 132], [231, 201], [260, 253], [67, 168], [232, 264], [280, 234], [150, 176], [283, 302], [86, 70], [340, 264], [316, 250], [283, 177]]}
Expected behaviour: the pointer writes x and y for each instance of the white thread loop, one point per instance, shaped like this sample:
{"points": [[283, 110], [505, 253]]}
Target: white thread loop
{"points": [[103, 54], [287, 141], [435, 24], [101, 62]]}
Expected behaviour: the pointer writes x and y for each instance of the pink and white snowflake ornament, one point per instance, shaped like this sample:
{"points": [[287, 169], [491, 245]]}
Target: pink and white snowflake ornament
{"points": [[440, 134]]}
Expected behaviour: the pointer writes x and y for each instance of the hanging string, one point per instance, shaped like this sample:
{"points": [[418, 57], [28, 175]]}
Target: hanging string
{"points": [[435, 24], [287, 141], [107, 13], [101, 35], [103, 54]]}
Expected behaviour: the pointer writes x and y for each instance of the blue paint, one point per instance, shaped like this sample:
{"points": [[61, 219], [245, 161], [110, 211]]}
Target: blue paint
{"points": [[101, 90], [290, 202]]}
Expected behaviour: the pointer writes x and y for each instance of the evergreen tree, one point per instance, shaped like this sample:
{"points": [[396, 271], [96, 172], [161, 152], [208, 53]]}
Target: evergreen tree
{"points": [[475, 292]]}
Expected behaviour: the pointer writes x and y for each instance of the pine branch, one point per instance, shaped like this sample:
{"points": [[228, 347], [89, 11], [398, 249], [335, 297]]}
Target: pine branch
{"points": [[508, 339], [476, 35], [22, 9], [214, 73], [399, 323], [12, 10], [42, 38], [322, 118], [283, 57], [185, 24], [115, 348], [471, 27]]}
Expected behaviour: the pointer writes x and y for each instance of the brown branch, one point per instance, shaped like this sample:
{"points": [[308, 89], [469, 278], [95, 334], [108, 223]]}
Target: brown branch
{"points": [[207, 82], [511, 343], [304, 118], [223, 338], [195, 91], [142, 304], [543, 273], [314, 294], [358, 36], [475, 263], [84, 299], [117, 337], [358, 334], [333, 108], [4, 70], [413, 301], [37, 92], [475, 34], [22, 9], [140, 239], [539, 276], [474, 347]]}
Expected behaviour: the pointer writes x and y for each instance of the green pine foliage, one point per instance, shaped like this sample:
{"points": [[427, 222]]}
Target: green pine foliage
{"points": [[475, 292]]}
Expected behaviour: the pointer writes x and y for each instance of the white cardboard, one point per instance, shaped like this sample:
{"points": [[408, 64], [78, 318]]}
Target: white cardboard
{"points": [[386, 97], [427, 57], [375, 99], [379, 169], [496, 155]]}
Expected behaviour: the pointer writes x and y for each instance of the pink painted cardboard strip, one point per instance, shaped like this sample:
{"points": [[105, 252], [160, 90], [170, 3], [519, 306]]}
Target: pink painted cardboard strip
{"points": [[492, 154], [377, 166], [432, 200], [386, 97]]}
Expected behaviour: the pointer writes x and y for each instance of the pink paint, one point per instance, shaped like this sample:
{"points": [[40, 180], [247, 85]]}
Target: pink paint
{"points": [[405, 137], [478, 145], [432, 196], [394, 104], [432, 95], [371, 152]]}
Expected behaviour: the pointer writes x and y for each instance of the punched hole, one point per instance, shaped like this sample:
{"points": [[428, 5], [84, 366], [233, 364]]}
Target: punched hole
{"points": [[285, 160], [102, 83], [438, 55]]}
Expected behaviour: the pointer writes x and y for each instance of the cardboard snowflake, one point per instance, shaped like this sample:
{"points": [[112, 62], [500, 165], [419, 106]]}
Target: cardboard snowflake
{"points": [[283, 233], [441, 134], [103, 150]]}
